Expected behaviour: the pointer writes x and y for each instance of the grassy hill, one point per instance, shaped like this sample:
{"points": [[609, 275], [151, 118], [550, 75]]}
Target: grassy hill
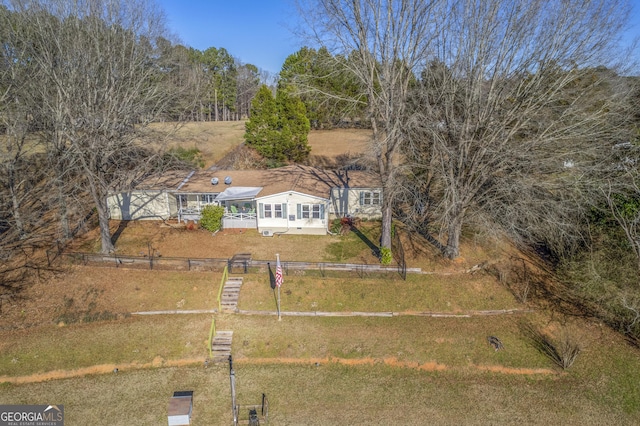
{"points": [[428, 363]]}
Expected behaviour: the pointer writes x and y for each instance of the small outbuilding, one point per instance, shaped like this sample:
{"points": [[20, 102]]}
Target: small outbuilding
{"points": [[180, 407]]}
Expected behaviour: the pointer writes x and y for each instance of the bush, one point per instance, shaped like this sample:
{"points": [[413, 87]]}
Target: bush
{"points": [[211, 218], [563, 352], [193, 156], [385, 255]]}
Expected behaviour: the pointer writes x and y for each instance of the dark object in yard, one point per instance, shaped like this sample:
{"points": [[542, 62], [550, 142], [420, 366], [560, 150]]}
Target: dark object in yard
{"points": [[253, 418], [495, 342]]}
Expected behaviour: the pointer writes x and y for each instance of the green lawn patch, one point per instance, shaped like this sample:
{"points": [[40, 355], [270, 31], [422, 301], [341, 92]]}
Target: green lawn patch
{"points": [[136, 339], [420, 293]]}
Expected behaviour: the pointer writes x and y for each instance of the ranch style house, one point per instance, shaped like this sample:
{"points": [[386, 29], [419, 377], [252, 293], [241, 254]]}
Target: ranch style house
{"points": [[288, 200]]}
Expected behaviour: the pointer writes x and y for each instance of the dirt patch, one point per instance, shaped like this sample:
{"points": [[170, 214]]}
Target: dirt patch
{"points": [[394, 362], [98, 369], [158, 362], [519, 371]]}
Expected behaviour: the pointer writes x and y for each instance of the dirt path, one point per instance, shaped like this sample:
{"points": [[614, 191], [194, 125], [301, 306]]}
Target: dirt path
{"points": [[160, 362]]}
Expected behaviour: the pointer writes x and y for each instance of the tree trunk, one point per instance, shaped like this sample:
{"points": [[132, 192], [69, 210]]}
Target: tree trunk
{"points": [[100, 201], [452, 249], [215, 102], [17, 217], [387, 218], [63, 212], [105, 232]]}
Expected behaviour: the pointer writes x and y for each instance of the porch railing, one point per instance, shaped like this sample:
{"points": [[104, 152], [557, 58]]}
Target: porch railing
{"points": [[239, 216]]}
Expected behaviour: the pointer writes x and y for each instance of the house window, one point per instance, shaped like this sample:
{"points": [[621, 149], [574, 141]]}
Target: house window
{"points": [[277, 211], [370, 198], [182, 201], [310, 211], [207, 198]]}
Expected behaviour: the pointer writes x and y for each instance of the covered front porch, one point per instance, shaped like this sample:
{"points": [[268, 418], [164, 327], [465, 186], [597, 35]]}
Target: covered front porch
{"points": [[238, 202], [239, 214]]}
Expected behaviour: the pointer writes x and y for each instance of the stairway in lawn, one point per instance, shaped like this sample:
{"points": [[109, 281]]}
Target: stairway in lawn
{"points": [[230, 293]]}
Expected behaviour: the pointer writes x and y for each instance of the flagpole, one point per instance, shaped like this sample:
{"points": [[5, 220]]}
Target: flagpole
{"points": [[278, 263]]}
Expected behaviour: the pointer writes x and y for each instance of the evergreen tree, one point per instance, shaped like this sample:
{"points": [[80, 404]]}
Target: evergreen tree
{"points": [[261, 130], [294, 126], [278, 127]]}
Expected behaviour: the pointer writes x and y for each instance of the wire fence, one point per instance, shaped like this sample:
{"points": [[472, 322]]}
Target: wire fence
{"points": [[243, 266]]}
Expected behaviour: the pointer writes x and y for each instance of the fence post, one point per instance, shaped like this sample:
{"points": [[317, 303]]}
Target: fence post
{"points": [[225, 274], [212, 332]]}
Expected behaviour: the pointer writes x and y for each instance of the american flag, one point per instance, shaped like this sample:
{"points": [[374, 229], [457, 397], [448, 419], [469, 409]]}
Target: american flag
{"points": [[278, 273]]}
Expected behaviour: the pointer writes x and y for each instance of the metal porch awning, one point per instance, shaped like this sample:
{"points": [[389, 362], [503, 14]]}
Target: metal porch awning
{"points": [[239, 193]]}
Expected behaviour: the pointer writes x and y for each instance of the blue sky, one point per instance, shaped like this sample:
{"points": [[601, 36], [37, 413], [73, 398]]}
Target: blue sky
{"points": [[254, 31]]}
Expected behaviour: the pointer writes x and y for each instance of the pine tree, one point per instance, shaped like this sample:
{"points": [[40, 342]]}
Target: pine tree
{"points": [[294, 126], [261, 130], [278, 128]]}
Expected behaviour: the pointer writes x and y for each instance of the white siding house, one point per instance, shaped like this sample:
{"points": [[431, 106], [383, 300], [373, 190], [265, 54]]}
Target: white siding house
{"points": [[356, 202], [140, 205], [292, 213], [293, 199]]}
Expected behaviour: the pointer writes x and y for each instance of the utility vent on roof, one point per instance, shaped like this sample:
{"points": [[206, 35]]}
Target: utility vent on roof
{"points": [[227, 180], [214, 181]]}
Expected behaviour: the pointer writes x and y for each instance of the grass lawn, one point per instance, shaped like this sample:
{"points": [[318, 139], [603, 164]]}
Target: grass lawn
{"points": [[131, 340], [401, 370], [335, 394], [389, 293]]}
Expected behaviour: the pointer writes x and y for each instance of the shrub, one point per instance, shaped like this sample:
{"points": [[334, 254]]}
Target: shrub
{"points": [[563, 352], [211, 218], [385, 255], [193, 156]]}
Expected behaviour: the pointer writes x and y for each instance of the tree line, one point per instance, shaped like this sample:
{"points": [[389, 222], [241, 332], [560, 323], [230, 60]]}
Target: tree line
{"points": [[511, 117]]}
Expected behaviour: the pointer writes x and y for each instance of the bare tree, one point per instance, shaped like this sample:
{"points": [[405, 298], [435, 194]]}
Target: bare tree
{"points": [[97, 58], [385, 41], [23, 193], [512, 114], [623, 200]]}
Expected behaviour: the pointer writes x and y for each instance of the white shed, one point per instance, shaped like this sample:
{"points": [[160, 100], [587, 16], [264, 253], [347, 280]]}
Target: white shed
{"points": [[180, 407]]}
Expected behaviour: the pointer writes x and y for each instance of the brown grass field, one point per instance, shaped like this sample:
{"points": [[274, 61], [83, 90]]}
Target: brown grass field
{"points": [[61, 339], [217, 139]]}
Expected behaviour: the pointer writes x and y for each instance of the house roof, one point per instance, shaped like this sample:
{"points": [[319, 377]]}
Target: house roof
{"points": [[303, 179]]}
